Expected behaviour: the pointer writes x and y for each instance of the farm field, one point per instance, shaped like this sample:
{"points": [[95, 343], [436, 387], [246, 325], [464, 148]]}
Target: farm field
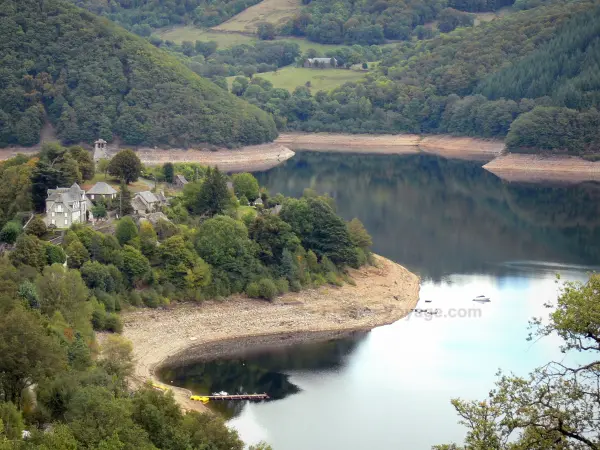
{"points": [[226, 40], [276, 12], [320, 79]]}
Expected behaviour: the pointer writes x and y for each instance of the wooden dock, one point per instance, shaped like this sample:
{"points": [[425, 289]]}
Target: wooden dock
{"points": [[263, 396]]}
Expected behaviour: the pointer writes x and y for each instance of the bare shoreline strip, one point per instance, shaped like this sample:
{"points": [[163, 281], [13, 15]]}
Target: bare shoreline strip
{"points": [[533, 168], [399, 144], [188, 332]]}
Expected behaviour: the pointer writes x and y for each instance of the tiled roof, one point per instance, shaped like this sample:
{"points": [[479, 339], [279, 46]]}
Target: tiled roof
{"points": [[102, 188]]}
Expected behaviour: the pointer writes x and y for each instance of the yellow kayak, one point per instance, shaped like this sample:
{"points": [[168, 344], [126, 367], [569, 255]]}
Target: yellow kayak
{"points": [[200, 398]]}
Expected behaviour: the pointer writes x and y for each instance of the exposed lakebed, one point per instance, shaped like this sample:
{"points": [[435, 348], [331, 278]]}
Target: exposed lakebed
{"points": [[467, 233]]}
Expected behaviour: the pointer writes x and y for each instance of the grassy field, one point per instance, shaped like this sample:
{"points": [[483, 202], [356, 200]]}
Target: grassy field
{"points": [[320, 79], [226, 40], [276, 12], [136, 186]]}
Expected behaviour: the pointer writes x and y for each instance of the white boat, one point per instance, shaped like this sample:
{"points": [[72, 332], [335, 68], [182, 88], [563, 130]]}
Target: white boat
{"points": [[215, 394], [481, 298]]}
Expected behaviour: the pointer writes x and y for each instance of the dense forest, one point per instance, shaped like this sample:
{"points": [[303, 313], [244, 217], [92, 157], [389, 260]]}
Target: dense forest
{"points": [[364, 22], [208, 243], [142, 16], [92, 79]]}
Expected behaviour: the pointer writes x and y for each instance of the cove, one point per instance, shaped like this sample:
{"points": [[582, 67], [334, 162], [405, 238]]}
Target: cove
{"points": [[466, 233]]}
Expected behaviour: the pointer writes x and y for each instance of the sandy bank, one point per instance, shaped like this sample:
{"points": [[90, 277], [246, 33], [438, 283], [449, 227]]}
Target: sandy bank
{"points": [[244, 159], [382, 295], [534, 168], [399, 144]]}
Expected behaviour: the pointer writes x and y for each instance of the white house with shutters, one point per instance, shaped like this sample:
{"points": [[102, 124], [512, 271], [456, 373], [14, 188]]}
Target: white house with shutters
{"points": [[66, 206]]}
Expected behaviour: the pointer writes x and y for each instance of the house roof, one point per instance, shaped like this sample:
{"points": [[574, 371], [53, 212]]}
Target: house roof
{"points": [[100, 141], [148, 196], [321, 60], [65, 195], [102, 188], [182, 179]]}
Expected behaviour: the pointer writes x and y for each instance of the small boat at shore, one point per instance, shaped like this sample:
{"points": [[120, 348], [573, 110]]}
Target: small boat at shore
{"points": [[482, 298]]}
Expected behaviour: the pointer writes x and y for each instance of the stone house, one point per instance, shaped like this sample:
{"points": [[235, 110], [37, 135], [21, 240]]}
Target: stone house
{"points": [[147, 202], [101, 190], [180, 181], [320, 63], [66, 206]]}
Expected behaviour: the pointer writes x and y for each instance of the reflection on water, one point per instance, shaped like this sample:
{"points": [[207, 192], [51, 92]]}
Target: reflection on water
{"points": [[265, 371], [440, 217], [466, 233]]}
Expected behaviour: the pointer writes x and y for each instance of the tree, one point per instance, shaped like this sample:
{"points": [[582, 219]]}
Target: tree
{"points": [[168, 172], [117, 356], [12, 419], [77, 255], [265, 31], [273, 237], [135, 266], [103, 166], [10, 232], [182, 265], [223, 243], [29, 250], [126, 166], [320, 229], [37, 227], [244, 184], [85, 162], [124, 206], [557, 406], [148, 239], [126, 231], [211, 197], [62, 290], [99, 210], [27, 353], [359, 236], [54, 254]]}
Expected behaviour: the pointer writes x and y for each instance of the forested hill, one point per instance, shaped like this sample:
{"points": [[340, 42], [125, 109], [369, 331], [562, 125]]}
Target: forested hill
{"points": [[532, 77], [92, 79]]}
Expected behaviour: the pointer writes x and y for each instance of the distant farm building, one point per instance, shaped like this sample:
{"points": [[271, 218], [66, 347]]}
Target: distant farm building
{"points": [[180, 181], [321, 63]]}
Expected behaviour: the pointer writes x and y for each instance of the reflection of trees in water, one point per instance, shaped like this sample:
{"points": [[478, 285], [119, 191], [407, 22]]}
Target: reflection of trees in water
{"points": [[442, 216], [259, 372]]}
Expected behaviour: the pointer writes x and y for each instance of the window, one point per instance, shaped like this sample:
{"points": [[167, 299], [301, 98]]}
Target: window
{"points": [[53, 220], [92, 196], [66, 215], [58, 208], [52, 215]]}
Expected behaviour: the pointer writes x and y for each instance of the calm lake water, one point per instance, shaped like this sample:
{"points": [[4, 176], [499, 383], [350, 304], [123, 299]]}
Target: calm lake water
{"points": [[466, 233]]}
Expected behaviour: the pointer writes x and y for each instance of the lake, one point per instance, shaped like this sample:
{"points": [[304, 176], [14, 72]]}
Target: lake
{"points": [[466, 233]]}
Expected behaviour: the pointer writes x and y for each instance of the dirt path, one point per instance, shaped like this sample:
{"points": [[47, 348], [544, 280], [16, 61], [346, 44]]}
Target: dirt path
{"points": [[187, 332]]}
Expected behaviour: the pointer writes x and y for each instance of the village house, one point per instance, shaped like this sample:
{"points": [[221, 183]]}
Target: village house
{"points": [[66, 206], [180, 181], [101, 190], [320, 63], [146, 202]]}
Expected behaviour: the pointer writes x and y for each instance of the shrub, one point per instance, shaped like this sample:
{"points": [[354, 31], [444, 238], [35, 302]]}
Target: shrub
{"points": [[295, 286], [37, 227], [253, 290], [332, 278], [318, 280], [113, 323], [151, 299], [282, 286], [135, 299], [10, 232], [267, 288], [243, 201], [98, 318]]}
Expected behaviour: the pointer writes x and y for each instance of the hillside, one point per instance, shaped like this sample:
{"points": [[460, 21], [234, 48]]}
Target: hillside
{"points": [[92, 79], [141, 16], [523, 73]]}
